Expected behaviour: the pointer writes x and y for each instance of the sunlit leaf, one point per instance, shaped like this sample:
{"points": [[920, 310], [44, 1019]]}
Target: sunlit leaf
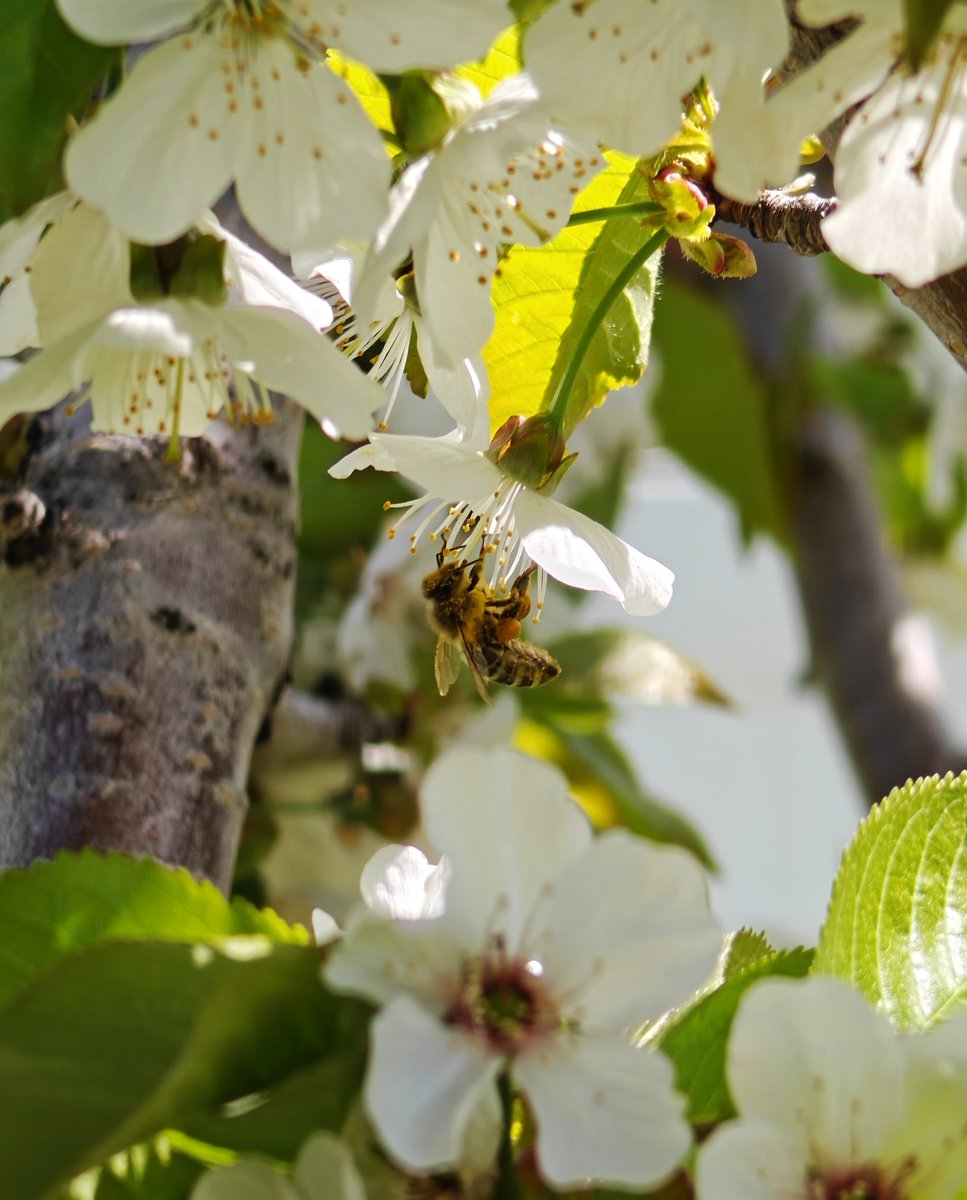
{"points": [[923, 19], [53, 908], [895, 927], [544, 297]]}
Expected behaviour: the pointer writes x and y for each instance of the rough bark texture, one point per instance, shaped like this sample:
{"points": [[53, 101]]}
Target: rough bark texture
{"points": [[793, 221], [145, 629]]}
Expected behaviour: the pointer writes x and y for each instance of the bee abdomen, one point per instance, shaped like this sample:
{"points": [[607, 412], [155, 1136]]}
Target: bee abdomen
{"points": [[517, 664]]}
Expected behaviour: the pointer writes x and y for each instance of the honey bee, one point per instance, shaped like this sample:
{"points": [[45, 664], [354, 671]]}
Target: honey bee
{"points": [[467, 614]]}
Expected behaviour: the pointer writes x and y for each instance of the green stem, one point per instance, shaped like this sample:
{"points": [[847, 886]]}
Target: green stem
{"points": [[508, 1185], [557, 411], [643, 208]]}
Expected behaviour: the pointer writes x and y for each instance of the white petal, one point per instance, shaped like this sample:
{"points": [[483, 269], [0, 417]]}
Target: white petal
{"points": [[423, 1085], [434, 34], [282, 352], [18, 317], [112, 22], [325, 1170], [400, 883], [581, 553], [752, 1160], [359, 459], [889, 219], [643, 946], [379, 959], [325, 929], [163, 149], [311, 132], [508, 828], [463, 390], [80, 270], [812, 1056], [441, 465], [19, 237], [244, 1181], [45, 379], [606, 1113], [261, 283]]}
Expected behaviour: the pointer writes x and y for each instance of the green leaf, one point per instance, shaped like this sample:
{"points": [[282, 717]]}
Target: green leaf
{"points": [[715, 420], [895, 926], [153, 1172], [47, 76], [53, 908], [742, 950], [697, 1041], [122, 1040], [627, 665], [543, 298], [923, 19]]}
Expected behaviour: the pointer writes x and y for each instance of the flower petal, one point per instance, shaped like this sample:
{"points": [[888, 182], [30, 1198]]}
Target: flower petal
{"points": [[445, 467], [508, 827], [433, 34], [813, 1056], [311, 132], [113, 22], [890, 217], [247, 1180], [606, 1113], [18, 317], [423, 1085], [400, 883], [325, 1170], [752, 1159], [282, 352], [46, 378], [643, 946], [163, 148], [581, 553]]}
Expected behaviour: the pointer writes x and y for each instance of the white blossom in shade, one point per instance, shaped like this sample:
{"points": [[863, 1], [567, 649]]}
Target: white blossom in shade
{"points": [[395, 331], [833, 1101], [515, 525], [324, 1170], [503, 175], [167, 367], [238, 93], [616, 70], [549, 948], [18, 241]]}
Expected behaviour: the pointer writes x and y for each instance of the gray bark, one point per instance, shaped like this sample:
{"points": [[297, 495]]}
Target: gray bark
{"points": [[145, 631]]}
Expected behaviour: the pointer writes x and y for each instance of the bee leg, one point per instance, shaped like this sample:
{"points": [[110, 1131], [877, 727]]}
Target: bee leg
{"points": [[507, 629]]}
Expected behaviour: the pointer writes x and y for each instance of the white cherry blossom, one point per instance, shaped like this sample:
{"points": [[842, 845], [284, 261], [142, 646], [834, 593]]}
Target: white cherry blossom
{"points": [[166, 367], [504, 174], [550, 946], [237, 93], [833, 1101], [512, 523], [616, 70], [395, 331], [324, 1170]]}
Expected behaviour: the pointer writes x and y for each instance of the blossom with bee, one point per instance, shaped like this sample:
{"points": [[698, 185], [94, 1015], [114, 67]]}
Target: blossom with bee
{"points": [[513, 524]]}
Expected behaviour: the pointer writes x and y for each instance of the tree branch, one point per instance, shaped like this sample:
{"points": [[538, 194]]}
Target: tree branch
{"points": [[792, 221], [145, 630]]}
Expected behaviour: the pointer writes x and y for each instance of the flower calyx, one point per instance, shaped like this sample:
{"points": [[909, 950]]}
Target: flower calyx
{"points": [[190, 268], [532, 451]]}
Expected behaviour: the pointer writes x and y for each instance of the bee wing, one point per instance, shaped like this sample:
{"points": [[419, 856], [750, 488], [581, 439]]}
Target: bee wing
{"points": [[472, 657], [446, 664]]}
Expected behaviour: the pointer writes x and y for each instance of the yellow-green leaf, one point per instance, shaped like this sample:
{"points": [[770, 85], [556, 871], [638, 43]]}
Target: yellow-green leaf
{"points": [[544, 297]]}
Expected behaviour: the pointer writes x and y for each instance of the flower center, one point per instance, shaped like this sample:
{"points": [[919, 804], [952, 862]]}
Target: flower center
{"points": [[871, 1182], [503, 1001]]}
